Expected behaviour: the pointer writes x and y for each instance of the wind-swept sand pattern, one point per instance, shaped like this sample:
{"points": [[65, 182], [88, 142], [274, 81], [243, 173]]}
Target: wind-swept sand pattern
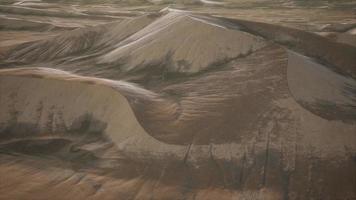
{"points": [[173, 104]]}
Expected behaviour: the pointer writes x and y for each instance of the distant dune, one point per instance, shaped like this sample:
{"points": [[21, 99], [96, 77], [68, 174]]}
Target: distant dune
{"points": [[80, 41]]}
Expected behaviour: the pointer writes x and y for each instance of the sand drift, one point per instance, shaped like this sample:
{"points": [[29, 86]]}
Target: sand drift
{"points": [[175, 105]]}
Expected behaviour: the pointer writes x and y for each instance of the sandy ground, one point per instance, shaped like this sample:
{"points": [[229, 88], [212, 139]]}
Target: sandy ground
{"points": [[194, 100]]}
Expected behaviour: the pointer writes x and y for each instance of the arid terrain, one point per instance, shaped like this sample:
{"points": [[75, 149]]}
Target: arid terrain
{"points": [[177, 100]]}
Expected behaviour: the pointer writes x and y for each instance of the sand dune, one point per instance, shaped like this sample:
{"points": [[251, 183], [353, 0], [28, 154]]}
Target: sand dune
{"points": [[58, 117], [338, 55], [65, 105], [80, 41], [167, 41], [133, 45], [51, 107], [47, 12], [18, 24], [176, 105], [138, 44], [320, 88]]}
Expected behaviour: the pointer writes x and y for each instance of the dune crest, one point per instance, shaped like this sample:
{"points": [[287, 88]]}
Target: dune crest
{"points": [[168, 41]]}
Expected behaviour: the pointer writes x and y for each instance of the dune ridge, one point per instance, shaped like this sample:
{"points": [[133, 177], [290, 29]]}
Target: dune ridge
{"points": [[337, 55], [53, 88], [191, 51], [82, 40]]}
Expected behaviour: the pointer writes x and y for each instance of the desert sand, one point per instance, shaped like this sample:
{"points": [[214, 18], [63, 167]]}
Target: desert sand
{"points": [[192, 100]]}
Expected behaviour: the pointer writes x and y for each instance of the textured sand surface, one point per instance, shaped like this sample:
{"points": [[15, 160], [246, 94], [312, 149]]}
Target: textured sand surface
{"points": [[154, 102]]}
